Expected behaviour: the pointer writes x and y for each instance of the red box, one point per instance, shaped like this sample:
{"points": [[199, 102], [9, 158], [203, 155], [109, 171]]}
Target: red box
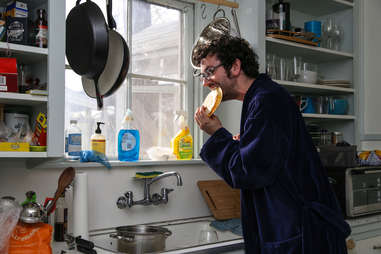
{"points": [[8, 75]]}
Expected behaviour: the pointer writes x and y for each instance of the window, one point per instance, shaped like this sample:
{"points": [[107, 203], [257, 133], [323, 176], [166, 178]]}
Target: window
{"points": [[159, 81]]}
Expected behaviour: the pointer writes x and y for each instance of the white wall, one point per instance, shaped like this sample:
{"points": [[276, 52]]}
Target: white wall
{"points": [[105, 186]]}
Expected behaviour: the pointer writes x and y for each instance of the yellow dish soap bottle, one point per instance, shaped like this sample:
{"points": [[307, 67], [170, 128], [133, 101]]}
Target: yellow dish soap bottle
{"points": [[98, 141], [182, 142]]}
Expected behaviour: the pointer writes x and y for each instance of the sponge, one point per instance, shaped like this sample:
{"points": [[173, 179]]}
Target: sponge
{"points": [[145, 175]]}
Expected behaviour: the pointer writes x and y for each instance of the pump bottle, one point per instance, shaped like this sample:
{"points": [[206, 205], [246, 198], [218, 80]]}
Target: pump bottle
{"points": [[98, 141]]}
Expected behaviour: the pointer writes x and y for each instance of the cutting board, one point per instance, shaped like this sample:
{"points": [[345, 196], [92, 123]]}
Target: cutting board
{"points": [[223, 201]]}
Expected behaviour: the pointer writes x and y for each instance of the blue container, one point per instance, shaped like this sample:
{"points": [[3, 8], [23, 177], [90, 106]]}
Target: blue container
{"points": [[128, 145], [338, 107], [313, 27]]}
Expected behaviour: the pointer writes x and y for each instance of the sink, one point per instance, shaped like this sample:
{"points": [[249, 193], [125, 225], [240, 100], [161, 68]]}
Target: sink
{"points": [[185, 234]]}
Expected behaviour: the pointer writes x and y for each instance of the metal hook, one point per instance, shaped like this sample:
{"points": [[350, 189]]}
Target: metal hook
{"points": [[185, 9], [203, 8], [217, 11]]}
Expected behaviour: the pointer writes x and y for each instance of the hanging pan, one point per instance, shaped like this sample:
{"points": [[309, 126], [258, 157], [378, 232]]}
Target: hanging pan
{"points": [[117, 64], [87, 42]]}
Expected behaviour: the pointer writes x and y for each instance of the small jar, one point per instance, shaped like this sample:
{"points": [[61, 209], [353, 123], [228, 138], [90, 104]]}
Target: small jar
{"points": [[337, 137]]}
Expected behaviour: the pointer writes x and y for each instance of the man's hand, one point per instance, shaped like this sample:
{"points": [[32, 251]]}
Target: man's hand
{"points": [[208, 124]]}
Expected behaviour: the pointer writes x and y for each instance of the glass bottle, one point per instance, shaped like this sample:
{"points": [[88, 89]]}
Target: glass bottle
{"points": [[281, 11], [73, 141], [41, 29], [60, 219]]}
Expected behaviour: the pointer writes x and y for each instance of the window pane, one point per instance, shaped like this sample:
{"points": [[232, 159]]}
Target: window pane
{"points": [[156, 40], [154, 104]]}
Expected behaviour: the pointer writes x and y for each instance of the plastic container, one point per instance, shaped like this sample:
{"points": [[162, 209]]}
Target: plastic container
{"points": [[73, 141], [182, 142], [98, 141], [128, 139]]}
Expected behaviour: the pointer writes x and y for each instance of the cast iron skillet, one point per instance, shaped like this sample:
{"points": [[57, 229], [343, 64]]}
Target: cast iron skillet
{"points": [[87, 42], [117, 63]]}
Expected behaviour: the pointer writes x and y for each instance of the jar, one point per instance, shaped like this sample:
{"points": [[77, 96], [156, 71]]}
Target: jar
{"points": [[337, 137]]}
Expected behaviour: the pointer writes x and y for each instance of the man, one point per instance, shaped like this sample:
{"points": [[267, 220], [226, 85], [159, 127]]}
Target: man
{"points": [[287, 204]]}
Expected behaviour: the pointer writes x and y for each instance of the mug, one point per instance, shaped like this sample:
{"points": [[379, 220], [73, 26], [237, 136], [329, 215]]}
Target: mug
{"points": [[338, 106], [307, 105]]}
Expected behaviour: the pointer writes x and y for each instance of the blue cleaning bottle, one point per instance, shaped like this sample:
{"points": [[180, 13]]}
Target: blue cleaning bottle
{"points": [[128, 139]]}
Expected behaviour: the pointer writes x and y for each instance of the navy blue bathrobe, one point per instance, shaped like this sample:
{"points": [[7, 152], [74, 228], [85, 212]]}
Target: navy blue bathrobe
{"points": [[287, 204]]}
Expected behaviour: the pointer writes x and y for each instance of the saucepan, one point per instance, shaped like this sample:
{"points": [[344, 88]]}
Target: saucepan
{"points": [[141, 238], [87, 42], [117, 64]]}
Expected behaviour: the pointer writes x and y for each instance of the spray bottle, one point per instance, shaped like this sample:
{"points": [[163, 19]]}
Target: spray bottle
{"points": [[182, 142], [128, 139]]}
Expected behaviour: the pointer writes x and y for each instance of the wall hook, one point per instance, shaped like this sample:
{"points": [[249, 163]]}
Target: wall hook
{"points": [[203, 8]]}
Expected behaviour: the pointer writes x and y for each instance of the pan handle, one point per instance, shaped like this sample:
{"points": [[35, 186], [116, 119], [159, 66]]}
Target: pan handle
{"points": [[111, 22], [219, 10]]}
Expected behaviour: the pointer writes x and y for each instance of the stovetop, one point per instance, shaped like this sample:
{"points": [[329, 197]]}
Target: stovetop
{"points": [[185, 234]]}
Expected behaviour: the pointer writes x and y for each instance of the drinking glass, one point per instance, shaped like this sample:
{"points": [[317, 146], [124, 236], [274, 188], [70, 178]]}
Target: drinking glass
{"points": [[207, 236]]}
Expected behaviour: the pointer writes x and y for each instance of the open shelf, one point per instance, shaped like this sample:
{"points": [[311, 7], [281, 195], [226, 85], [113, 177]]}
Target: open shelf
{"points": [[329, 116], [321, 7], [306, 88], [23, 99], [23, 154], [28, 54], [309, 53]]}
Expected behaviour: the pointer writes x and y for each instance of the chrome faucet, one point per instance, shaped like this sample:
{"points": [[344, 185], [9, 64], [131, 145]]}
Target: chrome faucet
{"points": [[154, 199]]}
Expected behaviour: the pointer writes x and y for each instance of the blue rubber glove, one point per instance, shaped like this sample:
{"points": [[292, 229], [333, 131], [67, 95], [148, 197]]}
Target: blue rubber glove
{"points": [[92, 156]]}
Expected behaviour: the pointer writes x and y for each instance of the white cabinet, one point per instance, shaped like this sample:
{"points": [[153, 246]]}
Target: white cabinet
{"points": [[48, 64], [369, 73], [331, 64], [368, 246]]}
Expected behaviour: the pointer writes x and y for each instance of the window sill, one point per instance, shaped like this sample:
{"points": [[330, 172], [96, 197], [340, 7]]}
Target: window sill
{"points": [[60, 163]]}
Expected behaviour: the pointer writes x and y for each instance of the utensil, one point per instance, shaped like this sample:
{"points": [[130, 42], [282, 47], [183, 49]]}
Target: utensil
{"points": [[65, 179], [87, 42], [117, 64], [235, 19]]}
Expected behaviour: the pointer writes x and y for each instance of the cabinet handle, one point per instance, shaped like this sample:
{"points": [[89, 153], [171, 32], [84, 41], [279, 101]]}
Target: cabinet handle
{"points": [[377, 247]]}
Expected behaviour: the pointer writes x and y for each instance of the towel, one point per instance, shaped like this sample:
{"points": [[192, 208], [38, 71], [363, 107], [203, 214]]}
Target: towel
{"points": [[232, 225]]}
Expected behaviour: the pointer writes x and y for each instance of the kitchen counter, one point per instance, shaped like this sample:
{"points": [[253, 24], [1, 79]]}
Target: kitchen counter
{"points": [[184, 239]]}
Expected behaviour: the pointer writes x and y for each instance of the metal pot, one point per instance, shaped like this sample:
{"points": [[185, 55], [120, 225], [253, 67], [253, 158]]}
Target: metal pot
{"points": [[32, 213], [141, 238]]}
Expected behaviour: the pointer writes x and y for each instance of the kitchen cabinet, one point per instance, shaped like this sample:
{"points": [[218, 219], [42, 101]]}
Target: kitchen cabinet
{"points": [[369, 73], [48, 65], [332, 64], [368, 246]]}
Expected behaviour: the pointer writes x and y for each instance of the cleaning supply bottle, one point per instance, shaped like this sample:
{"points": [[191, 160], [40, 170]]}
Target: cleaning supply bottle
{"points": [[128, 139], [182, 142], [98, 141], [73, 139]]}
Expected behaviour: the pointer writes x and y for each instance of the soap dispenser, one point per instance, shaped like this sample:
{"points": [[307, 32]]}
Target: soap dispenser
{"points": [[128, 139], [98, 141]]}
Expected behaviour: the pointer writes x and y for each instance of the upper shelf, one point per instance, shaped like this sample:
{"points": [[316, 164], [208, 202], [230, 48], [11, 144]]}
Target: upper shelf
{"points": [[310, 53], [22, 99], [321, 7], [28, 54], [307, 88]]}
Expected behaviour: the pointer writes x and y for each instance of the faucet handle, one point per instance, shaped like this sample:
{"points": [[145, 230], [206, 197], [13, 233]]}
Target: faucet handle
{"points": [[122, 202], [165, 191], [156, 198]]}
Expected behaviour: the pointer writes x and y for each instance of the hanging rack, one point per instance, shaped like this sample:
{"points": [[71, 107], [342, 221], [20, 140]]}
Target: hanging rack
{"points": [[222, 2]]}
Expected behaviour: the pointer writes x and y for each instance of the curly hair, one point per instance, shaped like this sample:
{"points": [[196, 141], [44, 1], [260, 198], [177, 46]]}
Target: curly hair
{"points": [[228, 49]]}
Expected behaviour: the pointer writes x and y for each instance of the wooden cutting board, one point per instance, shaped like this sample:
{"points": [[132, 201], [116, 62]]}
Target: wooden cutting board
{"points": [[223, 201]]}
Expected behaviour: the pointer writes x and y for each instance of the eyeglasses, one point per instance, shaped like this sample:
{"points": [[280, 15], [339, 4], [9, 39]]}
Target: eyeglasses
{"points": [[208, 72]]}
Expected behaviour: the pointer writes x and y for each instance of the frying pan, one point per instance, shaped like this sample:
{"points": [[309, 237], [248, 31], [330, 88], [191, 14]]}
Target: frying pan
{"points": [[117, 63], [87, 42]]}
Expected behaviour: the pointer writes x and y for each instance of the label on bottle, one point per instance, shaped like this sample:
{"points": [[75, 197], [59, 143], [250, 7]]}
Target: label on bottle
{"points": [[185, 148], [74, 144], [128, 141], [98, 145], [42, 36]]}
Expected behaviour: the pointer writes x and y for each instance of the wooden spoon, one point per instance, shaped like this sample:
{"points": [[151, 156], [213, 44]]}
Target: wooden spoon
{"points": [[66, 178]]}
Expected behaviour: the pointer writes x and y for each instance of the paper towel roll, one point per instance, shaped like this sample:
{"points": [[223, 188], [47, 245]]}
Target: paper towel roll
{"points": [[80, 207]]}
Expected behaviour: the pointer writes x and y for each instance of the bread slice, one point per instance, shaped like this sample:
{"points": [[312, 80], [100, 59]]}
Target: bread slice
{"points": [[213, 100]]}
